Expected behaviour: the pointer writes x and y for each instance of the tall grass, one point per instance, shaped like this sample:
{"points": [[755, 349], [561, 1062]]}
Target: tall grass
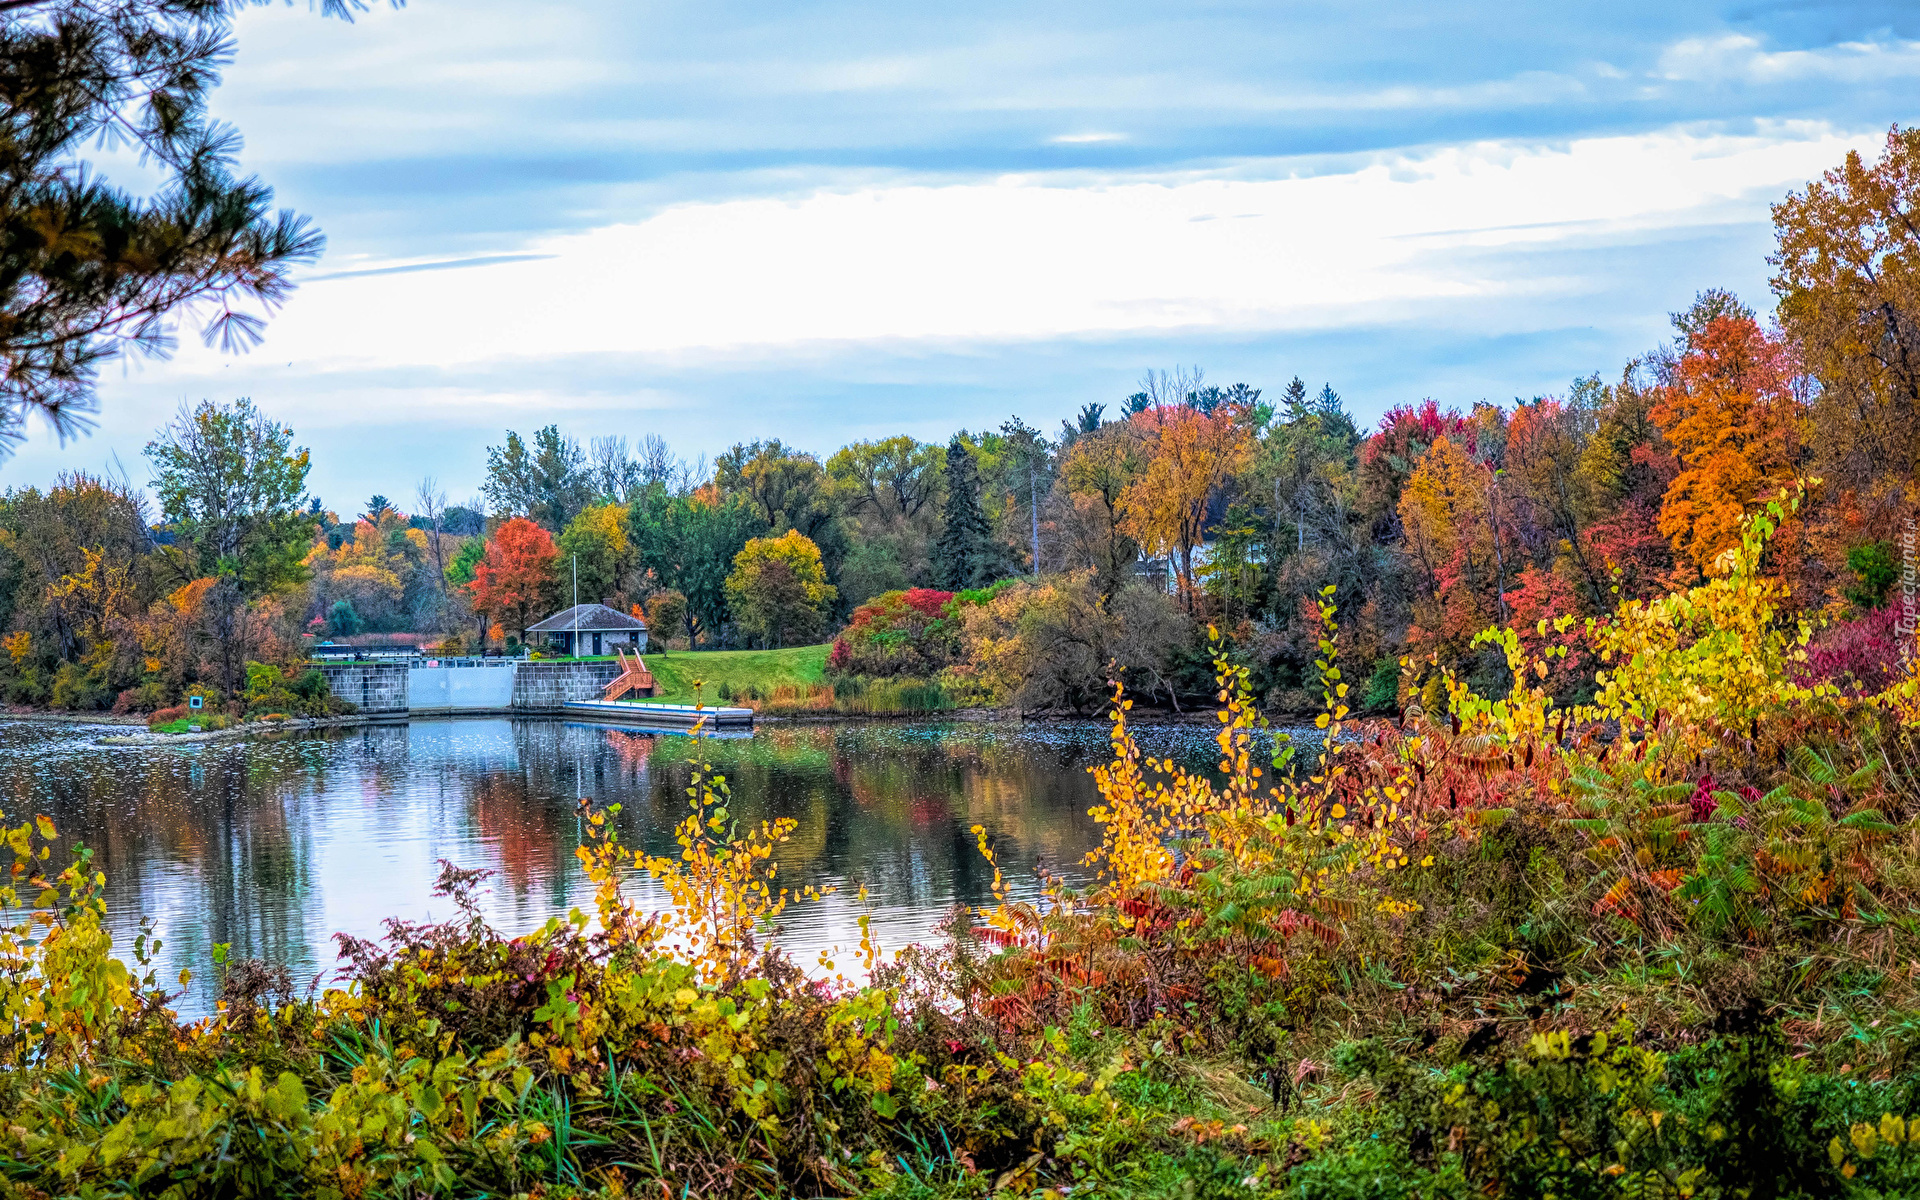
{"points": [[873, 697]]}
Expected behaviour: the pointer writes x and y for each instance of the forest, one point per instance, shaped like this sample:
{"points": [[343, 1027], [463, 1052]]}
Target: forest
{"points": [[1017, 567]]}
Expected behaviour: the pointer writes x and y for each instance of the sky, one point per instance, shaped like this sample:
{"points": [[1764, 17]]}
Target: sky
{"points": [[826, 222]]}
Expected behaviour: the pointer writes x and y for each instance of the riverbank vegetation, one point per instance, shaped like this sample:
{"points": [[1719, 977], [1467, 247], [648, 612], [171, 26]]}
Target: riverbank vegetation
{"points": [[1657, 944], [790, 682], [677, 672], [1016, 567]]}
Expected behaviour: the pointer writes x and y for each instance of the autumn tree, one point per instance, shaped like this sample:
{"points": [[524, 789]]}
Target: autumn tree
{"points": [[1388, 456], [75, 576], [231, 486], [1095, 472], [788, 488], [1189, 456], [1451, 510], [459, 573], [666, 617], [778, 589], [1546, 441], [383, 572], [1730, 413], [893, 480], [514, 581], [1848, 281], [889, 492], [46, 536], [1625, 469], [596, 540]]}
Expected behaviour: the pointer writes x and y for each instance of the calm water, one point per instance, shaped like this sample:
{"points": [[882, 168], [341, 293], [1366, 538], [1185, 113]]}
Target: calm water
{"points": [[275, 846]]}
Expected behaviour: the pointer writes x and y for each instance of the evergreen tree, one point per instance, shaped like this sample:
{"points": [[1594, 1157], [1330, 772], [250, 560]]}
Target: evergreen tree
{"points": [[964, 555], [91, 269]]}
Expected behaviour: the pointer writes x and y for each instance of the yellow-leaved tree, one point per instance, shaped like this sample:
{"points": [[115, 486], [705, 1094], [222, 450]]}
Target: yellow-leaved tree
{"points": [[1189, 456], [779, 591]]}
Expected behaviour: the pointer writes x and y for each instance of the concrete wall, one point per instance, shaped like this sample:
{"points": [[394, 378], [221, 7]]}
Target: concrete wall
{"points": [[549, 685], [525, 686], [372, 687]]}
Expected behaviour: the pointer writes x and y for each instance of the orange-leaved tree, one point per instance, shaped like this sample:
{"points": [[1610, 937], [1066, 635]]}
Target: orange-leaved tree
{"points": [[514, 581], [1189, 456], [1730, 413]]}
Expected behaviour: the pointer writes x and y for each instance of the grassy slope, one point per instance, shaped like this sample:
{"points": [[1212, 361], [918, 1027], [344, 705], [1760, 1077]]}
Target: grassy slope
{"points": [[675, 672]]}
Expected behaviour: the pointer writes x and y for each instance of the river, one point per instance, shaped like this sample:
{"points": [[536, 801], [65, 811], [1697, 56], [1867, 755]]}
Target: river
{"points": [[273, 846]]}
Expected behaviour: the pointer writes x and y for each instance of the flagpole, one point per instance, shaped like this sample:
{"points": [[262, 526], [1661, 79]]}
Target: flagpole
{"points": [[576, 606]]}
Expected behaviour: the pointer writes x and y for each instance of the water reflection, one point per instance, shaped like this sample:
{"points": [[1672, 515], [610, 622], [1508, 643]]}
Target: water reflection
{"points": [[274, 846]]}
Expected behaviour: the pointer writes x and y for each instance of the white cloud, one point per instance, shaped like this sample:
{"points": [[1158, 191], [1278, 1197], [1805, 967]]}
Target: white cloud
{"points": [[1738, 58], [1023, 259], [1086, 139]]}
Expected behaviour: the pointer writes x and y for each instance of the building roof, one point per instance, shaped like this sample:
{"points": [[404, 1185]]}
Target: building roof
{"points": [[594, 618]]}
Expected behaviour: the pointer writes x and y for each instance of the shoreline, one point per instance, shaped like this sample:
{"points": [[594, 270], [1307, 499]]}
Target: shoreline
{"points": [[137, 734], [73, 718], [246, 730]]}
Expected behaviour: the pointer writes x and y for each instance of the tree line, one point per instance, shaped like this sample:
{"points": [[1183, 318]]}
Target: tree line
{"points": [[1113, 540]]}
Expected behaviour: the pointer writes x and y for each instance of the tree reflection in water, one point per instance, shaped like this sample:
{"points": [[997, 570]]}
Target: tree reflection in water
{"points": [[274, 846]]}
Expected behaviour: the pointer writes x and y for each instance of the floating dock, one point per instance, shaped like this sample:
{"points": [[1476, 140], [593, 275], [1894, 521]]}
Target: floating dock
{"points": [[657, 716]]}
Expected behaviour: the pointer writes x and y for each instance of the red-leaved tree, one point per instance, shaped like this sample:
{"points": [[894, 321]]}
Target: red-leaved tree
{"points": [[514, 581]]}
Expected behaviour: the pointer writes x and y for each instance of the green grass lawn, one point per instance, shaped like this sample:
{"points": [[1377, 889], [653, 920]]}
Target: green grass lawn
{"points": [[676, 671]]}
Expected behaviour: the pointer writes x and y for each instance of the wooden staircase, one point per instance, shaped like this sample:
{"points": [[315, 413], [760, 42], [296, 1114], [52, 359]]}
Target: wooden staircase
{"points": [[633, 678]]}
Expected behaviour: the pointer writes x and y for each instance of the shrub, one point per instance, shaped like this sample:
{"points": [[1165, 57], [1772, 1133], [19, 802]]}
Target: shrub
{"points": [[166, 716], [311, 686], [269, 690], [1860, 657], [79, 688], [910, 632], [140, 698], [1568, 1115], [28, 686], [343, 620], [1383, 686]]}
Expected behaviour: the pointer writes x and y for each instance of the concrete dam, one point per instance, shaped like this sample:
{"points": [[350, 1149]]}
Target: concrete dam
{"points": [[448, 687], [506, 687]]}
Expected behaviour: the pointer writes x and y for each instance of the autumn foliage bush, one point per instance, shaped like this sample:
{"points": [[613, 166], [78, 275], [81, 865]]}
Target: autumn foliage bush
{"points": [[913, 632]]}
